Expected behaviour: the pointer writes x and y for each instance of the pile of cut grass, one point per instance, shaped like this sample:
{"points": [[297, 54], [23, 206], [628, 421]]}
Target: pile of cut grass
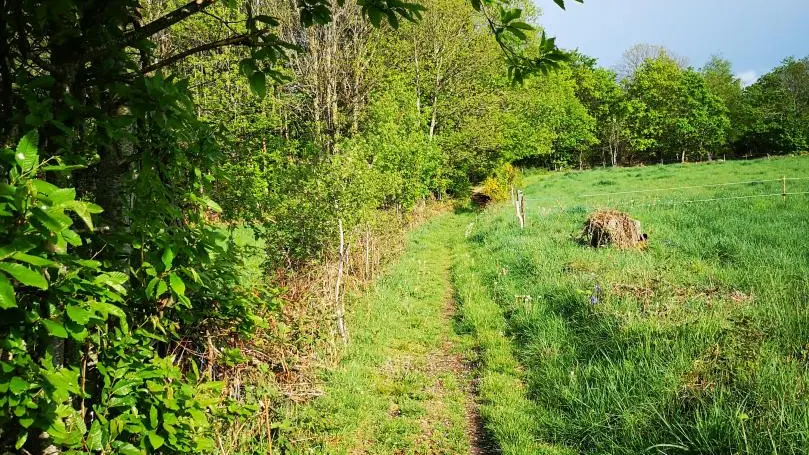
{"points": [[699, 344]]}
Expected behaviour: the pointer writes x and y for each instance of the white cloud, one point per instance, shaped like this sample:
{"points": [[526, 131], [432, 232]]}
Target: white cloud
{"points": [[748, 77]]}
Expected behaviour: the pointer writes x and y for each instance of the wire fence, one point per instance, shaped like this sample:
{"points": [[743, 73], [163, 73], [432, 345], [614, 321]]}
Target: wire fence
{"points": [[563, 204], [676, 188]]}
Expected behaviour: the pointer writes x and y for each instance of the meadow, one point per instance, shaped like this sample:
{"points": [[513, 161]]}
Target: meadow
{"points": [[698, 343]]}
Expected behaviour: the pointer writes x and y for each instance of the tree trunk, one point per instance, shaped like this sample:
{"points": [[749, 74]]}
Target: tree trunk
{"points": [[434, 116]]}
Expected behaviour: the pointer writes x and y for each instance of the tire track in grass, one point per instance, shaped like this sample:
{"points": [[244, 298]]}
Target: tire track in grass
{"points": [[402, 386], [507, 413]]}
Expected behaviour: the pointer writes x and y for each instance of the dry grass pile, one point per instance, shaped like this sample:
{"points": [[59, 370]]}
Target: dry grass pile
{"points": [[611, 227]]}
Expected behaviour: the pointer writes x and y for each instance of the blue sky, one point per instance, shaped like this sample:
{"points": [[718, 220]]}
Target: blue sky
{"points": [[753, 34]]}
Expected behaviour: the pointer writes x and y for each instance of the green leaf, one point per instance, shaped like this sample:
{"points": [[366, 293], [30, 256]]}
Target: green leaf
{"points": [[247, 67], [54, 328], [156, 440], [212, 205], [167, 258], [55, 220], [62, 195], [44, 187], [18, 385], [162, 287], [7, 299], [26, 422], [198, 416], [65, 381], [76, 331], [34, 260], [78, 314], [71, 237], [109, 309], [21, 440], [392, 20], [82, 210], [269, 20], [374, 15], [95, 438], [24, 275], [520, 25], [114, 280], [517, 32], [26, 154], [129, 449], [125, 387], [177, 284], [258, 84], [153, 417]]}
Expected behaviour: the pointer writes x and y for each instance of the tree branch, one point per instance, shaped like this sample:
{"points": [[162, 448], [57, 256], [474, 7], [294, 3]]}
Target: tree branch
{"points": [[166, 21], [238, 40]]}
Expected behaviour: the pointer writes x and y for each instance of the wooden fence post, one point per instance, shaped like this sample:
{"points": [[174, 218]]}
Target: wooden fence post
{"points": [[338, 302], [522, 210], [784, 188], [520, 206]]}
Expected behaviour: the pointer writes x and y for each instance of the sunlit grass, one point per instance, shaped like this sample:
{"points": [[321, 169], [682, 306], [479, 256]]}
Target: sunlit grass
{"points": [[392, 391], [699, 344]]}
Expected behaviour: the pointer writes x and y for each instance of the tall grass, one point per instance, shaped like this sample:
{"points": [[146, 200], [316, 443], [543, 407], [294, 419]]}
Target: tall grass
{"points": [[699, 344]]}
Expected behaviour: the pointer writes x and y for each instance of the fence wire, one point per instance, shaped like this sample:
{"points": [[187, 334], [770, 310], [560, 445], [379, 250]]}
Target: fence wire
{"points": [[676, 188], [668, 202]]}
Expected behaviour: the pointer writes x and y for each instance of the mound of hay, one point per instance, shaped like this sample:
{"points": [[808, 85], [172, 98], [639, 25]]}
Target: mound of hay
{"points": [[611, 227]]}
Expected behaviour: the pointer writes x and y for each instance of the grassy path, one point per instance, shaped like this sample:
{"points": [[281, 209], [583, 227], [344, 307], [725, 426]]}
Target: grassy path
{"points": [[402, 386], [406, 384]]}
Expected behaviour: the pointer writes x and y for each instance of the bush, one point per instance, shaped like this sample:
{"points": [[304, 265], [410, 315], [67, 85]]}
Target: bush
{"points": [[84, 348], [498, 185]]}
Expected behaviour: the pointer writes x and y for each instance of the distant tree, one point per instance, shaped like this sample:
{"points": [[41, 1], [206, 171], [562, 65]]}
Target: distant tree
{"points": [[637, 55], [605, 101], [721, 81], [775, 111], [674, 114]]}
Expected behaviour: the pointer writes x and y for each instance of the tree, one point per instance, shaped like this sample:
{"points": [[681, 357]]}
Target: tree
{"points": [[599, 91], [676, 114], [775, 111], [637, 55], [720, 80]]}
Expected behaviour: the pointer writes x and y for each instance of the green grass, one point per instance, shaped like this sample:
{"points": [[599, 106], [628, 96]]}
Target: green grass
{"points": [[506, 411], [700, 344], [395, 390], [697, 344]]}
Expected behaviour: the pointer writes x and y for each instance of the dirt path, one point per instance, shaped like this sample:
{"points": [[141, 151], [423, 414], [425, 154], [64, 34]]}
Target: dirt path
{"points": [[403, 386], [449, 359]]}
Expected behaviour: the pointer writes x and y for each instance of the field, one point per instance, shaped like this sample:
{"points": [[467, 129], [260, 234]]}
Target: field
{"points": [[698, 343]]}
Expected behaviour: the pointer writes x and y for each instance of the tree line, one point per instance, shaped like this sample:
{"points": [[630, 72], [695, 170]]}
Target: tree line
{"points": [[654, 108]]}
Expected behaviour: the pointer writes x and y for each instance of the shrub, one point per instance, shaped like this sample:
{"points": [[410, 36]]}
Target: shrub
{"points": [[498, 185]]}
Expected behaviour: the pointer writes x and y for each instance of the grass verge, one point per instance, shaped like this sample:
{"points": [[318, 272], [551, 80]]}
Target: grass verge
{"points": [[505, 408], [393, 391]]}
